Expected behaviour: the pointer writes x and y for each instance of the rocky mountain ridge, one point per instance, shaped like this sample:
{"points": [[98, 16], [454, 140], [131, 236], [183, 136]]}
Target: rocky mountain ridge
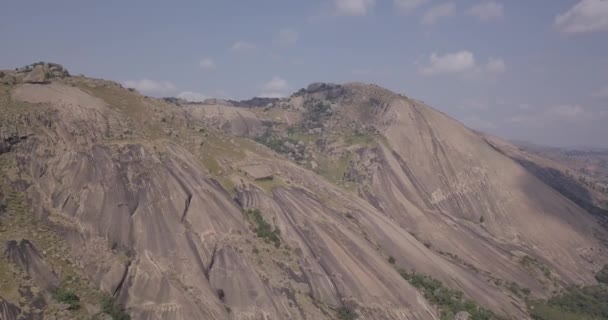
{"points": [[341, 201]]}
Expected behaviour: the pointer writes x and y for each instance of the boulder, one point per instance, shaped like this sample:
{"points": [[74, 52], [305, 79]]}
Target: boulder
{"points": [[26, 256], [462, 315], [37, 75], [325, 91], [258, 172], [314, 87], [57, 71], [7, 79]]}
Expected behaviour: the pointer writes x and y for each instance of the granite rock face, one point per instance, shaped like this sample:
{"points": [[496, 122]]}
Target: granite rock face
{"points": [[9, 311], [24, 255], [156, 206], [37, 75]]}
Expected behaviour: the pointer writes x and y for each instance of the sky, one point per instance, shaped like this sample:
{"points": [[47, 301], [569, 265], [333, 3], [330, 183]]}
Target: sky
{"points": [[534, 70]]}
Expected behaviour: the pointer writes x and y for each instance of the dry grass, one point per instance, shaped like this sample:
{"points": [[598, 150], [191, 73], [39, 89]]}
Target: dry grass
{"points": [[20, 223]]}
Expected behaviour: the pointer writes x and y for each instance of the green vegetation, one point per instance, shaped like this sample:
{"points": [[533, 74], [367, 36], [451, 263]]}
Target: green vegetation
{"points": [[17, 223], [359, 137], [271, 141], [345, 313], [458, 259], [332, 169], [283, 145], [263, 229], [315, 113], [602, 276], [448, 301], [66, 296], [530, 263], [269, 184], [109, 306], [586, 303], [391, 260], [518, 290]]}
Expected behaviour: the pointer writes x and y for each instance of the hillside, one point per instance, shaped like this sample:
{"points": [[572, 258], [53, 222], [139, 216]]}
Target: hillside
{"points": [[577, 174], [592, 162], [341, 201]]}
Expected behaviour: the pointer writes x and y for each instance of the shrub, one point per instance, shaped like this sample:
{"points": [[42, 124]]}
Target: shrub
{"points": [[68, 297], [448, 301], [263, 229], [317, 112], [281, 145], [391, 260], [221, 294], [584, 303], [481, 219], [109, 306], [602, 276], [345, 313]]}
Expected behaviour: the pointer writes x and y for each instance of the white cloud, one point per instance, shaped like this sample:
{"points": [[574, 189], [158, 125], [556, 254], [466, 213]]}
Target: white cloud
{"points": [[287, 36], [242, 46], [207, 64], [495, 66], [462, 62], [276, 84], [586, 16], [152, 87], [277, 87], [449, 63], [601, 93], [353, 7], [439, 12], [191, 96], [487, 11], [409, 5]]}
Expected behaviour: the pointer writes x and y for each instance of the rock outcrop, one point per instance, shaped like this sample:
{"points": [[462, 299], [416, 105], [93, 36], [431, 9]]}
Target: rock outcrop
{"points": [[37, 75], [258, 172], [462, 315], [167, 210], [24, 255], [9, 311]]}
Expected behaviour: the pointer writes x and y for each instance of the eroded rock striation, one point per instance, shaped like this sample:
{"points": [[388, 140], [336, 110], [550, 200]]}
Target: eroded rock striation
{"points": [[158, 206]]}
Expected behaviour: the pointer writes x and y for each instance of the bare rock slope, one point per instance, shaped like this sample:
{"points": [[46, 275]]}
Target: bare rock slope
{"points": [[361, 187]]}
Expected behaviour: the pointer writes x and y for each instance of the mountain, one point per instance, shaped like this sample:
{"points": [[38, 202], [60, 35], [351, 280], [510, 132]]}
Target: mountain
{"points": [[578, 174], [339, 202], [591, 162]]}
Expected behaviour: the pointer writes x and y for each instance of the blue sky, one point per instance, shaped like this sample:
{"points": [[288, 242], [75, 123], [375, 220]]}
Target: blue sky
{"points": [[534, 70]]}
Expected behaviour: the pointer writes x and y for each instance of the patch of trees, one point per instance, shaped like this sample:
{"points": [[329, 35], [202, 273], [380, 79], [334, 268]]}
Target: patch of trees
{"points": [[68, 297], [448, 301], [262, 228]]}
